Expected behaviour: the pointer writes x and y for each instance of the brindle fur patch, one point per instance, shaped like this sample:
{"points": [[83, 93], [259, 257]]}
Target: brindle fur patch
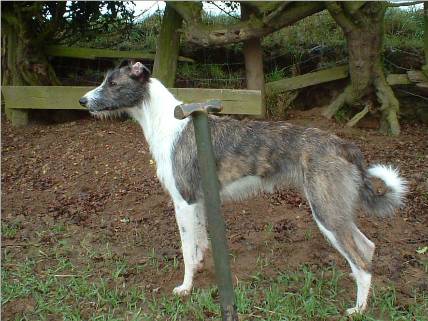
{"points": [[275, 152]]}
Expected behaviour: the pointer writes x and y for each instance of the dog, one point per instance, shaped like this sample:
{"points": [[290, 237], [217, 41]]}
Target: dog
{"points": [[252, 157]]}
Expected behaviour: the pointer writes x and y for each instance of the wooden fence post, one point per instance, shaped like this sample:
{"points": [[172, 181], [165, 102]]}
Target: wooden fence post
{"points": [[253, 55], [168, 47]]}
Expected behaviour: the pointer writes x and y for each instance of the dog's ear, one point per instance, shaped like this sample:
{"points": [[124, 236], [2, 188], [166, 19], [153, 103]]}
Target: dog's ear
{"points": [[139, 72], [125, 62]]}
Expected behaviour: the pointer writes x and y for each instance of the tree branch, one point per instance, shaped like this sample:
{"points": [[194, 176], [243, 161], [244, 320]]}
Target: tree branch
{"points": [[224, 11], [339, 16], [353, 6], [275, 13], [404, 4], [205, 35], [190, 11], [264, 6]]}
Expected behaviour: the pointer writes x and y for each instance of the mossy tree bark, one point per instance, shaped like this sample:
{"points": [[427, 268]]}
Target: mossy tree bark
{"points": [[425, 67], [24, 62], [253, 55], [363, 29], [272, 16], [168, 47]]}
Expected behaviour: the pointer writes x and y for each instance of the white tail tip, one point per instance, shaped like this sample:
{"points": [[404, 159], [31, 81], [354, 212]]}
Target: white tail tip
{"points": [[391, 177]]}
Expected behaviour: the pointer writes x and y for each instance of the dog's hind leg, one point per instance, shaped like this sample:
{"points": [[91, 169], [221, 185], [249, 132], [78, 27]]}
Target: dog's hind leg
{"points": [[186, 216], [332, 194], [361, 272], [358, 251]]}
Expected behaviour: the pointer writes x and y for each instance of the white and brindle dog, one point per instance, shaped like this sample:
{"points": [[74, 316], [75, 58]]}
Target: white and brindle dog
{"points": [[252, 157]]}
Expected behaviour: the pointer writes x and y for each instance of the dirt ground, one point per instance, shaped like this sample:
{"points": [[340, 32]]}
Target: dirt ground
{"points": [[96, 179]]}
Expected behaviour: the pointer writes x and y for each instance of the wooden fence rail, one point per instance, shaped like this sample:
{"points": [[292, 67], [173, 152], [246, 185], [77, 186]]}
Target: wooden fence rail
{"points": [[91, 53], [19, 99], [415, 77]]}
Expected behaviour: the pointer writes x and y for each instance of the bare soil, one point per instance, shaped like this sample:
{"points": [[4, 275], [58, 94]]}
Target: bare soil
{"points": [[96, 179]]}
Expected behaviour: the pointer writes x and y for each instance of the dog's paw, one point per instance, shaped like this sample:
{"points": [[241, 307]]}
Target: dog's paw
{"points": [[182, 290], [354, 310]]}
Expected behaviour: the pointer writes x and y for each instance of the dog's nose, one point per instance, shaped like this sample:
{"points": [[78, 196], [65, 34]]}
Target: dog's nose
{"points": [[83, 101]]}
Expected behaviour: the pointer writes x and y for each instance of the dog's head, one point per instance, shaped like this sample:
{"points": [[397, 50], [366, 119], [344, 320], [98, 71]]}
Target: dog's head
{"points": [[123, 87]]}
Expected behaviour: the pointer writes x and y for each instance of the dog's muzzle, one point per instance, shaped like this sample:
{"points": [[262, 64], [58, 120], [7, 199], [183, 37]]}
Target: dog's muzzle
{"points": [[83, 101]]}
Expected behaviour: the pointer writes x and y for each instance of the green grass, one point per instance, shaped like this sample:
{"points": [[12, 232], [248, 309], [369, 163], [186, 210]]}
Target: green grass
{"points": [[275, 74], [64, 291], [210, 75], [9, 230]]}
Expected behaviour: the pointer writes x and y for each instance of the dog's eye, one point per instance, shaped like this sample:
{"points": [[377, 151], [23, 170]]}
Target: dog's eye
{"points": [[112, 83]]}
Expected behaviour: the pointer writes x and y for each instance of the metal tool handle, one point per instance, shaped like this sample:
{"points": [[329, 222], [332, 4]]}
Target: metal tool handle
{"points": [[185, 110], [212, 205]]}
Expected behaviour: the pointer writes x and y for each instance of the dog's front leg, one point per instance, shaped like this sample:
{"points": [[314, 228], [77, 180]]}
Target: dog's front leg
{"points": [[186, 216]]}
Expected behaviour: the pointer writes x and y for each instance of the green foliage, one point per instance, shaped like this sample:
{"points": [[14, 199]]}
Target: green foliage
{"points": [[319, 33], [404, 28], [318, 30], [275, 74], [142, 36], [56, 21], [210, 75], [314, 36]]}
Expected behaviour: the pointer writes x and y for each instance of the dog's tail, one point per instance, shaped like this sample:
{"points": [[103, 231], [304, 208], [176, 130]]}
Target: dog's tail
{"points": [[383, 205]]}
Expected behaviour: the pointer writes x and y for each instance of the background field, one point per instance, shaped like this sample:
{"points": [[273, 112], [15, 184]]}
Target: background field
{"points": [[88, 234]]}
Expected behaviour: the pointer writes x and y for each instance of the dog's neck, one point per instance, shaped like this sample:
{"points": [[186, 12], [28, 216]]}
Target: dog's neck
{"points": [[156, 117], [156, 114]]}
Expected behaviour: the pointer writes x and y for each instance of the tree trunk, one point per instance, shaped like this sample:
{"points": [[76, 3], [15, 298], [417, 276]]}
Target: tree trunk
{"points": [[23, 60], [253, 55], [368, 86], [168, 47], [425, 67]]}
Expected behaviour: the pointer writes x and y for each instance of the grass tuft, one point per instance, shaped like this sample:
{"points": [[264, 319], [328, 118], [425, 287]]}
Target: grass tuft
{"points": [[64, 291]]}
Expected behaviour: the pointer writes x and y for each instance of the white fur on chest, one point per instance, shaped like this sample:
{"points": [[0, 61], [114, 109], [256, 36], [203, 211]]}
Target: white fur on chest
{"points": [[161, 130]]}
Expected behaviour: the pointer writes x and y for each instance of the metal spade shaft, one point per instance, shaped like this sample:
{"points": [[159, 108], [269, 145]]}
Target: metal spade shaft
{"points": [[210, 185]]}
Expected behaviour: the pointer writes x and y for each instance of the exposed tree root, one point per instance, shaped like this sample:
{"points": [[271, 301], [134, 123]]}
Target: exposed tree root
{"points": [[358, 117], [337, 103], [389, 105], [389, 108]]}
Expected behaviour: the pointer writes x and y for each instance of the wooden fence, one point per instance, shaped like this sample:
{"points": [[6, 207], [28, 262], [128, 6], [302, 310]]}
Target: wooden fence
{"points": [[90, 53], [415, 77], [19, 99]]}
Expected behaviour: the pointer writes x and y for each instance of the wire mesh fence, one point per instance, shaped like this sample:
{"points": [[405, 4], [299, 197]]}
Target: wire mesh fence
{"points": [[213, 72], [81, 72]]}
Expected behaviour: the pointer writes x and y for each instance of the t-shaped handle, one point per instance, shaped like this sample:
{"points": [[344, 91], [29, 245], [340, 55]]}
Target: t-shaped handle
{"points": [[185, 110]]}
